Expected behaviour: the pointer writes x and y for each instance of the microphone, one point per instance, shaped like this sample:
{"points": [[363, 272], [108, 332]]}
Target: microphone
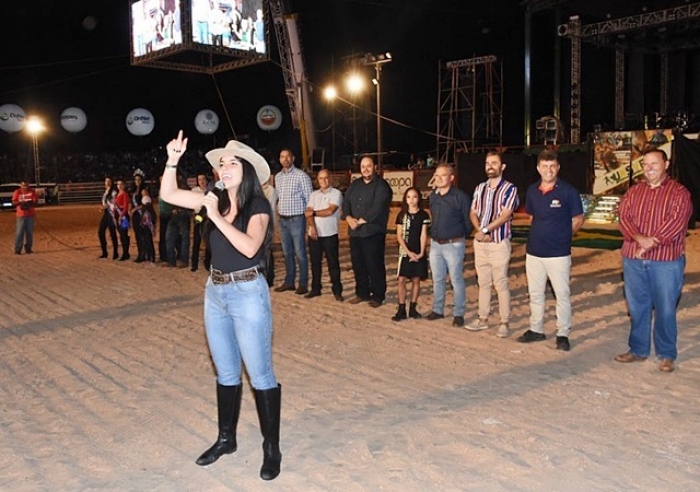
{"points": [[198, 215]]}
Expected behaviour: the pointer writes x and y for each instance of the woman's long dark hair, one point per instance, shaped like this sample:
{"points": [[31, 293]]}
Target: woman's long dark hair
{"points": [[249, 189], [404, 204]]}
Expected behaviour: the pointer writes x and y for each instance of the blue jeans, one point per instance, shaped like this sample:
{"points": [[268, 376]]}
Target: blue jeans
{"points": [[238, 324], [444, 259], [293, 238], [24, 232], [653, 286]]}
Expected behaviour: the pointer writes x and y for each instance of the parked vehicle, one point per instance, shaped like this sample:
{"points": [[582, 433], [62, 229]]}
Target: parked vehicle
{"points": [[8, 189]]}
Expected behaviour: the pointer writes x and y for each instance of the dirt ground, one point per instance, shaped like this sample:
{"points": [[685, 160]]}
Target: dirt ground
{"points": [[107, 384]]}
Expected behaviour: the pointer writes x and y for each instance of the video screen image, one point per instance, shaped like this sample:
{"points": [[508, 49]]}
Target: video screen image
{"points": [[155, 25], [235, 24]]}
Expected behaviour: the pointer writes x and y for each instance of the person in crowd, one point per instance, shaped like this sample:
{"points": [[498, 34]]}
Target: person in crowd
{"points": [[136, 192], [366, 210], [412, 235], [122, 203], [557, 214], [24, 199], [237, 310], [147, 228], [165, 213], [653, 217], [177, 237], [322, 217], [449, 209], [107, 222], [294, 189], [203, 186], [273, 198], [493, 204]]}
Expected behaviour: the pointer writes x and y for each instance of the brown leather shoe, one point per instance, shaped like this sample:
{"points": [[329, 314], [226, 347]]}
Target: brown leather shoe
{"points": [[357, 300], [666, 365], [629, 357], [284, 288]]}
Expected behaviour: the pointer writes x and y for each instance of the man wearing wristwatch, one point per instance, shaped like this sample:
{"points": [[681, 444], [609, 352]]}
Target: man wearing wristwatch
{"points": [[322, 216], [493, 204]]}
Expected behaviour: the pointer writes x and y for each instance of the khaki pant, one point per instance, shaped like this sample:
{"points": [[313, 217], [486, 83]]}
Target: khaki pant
{"points": [[558, 270], [491, 261]]}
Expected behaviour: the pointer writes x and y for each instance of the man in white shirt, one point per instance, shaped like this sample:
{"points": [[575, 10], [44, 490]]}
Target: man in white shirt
{"points": [[322, 216]]}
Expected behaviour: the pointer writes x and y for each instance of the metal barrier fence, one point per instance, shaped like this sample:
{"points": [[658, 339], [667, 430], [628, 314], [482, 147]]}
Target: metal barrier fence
{"points": [[81, 192]]}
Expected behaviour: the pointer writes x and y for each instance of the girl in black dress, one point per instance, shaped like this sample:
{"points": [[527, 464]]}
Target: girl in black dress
{"points": [[412, 234]]}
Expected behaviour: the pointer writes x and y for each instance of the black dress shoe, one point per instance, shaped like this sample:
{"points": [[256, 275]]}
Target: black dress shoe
{"points": [[531, 336], [433, 316], [458, 322], [103, 255], [563, 344], [375, 304], [313, 293], [339, 297], [301, 290]]}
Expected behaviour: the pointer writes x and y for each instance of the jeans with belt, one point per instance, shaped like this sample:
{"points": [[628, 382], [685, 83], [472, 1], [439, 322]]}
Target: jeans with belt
{"points": [[238, 325], [448, 258], [653, 288], [293, 239]]}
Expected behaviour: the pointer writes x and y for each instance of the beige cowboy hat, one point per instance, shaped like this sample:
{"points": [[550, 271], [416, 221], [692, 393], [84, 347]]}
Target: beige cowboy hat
{"points": [[239, 149]]}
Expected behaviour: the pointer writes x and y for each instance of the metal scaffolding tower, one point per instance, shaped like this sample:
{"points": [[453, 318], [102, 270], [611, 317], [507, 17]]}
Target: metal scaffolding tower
{"points": [[470, 106]]}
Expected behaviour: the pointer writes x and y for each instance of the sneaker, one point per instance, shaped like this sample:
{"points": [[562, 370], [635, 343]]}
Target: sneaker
{"points": [[458, 321], [503, 331], [531, 336], [563, 344], [482, 324], [433, 316]]}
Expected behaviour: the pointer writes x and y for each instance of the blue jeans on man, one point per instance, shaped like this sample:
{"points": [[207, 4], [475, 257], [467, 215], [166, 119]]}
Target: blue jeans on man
{"points": [[293, 239], [653, 289], [444, 259], [24, 233]]}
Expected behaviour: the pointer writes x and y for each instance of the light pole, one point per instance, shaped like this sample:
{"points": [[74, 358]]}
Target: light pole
{"points": [[354, 84], [378, 61], [330, 93], [35, 126]]}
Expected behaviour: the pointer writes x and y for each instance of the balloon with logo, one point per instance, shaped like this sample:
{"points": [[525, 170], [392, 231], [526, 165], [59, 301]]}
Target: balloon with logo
{"points": [[73, 120], [269, 117], [140, 122], [12, 118], [206, 121]]}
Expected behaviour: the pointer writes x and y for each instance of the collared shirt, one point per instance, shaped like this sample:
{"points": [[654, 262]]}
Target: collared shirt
{"points": [[551, 232], [369, 201], [320, 200], [27, 200], [294, 189], [450, 214], [489, 203], [662, 212]]}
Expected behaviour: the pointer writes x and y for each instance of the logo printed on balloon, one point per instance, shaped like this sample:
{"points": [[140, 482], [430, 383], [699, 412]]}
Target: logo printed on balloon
{"points": [[269, 117], [12, 118], [206, 121], [73, 119], [140, 122]]}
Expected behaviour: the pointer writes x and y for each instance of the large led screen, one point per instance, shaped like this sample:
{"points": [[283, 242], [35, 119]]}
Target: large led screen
{"points": [[155, 25], [235, 24]]}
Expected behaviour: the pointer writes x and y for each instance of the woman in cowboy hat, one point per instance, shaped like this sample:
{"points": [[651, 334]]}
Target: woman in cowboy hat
{"points": [[237, 311]]}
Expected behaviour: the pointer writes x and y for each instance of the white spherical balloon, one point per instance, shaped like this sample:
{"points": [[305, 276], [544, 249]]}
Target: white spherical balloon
{"points": [[12, 118], [73, 120], [206, 121], [140, 122], [269, 117]]}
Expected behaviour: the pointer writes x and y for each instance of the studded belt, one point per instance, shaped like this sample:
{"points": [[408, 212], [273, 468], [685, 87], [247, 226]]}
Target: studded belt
{"points": [[219, 278]]}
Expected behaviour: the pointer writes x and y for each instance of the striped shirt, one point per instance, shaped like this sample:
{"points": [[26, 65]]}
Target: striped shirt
{"points": [[489, 203], [294, 189], [662, 212]]}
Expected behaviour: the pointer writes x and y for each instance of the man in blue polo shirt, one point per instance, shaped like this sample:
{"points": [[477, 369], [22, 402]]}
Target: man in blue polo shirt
{"points": [[557, 213]]}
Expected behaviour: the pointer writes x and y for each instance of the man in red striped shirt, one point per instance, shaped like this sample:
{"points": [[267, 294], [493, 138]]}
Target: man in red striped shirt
{"points": [[653, 217]]}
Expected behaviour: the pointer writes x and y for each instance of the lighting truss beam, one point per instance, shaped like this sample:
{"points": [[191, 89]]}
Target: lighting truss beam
{"points": [[641, 20]]}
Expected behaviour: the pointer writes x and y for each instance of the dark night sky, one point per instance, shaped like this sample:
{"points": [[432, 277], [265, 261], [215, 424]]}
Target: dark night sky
{"points": [[57, 63]]}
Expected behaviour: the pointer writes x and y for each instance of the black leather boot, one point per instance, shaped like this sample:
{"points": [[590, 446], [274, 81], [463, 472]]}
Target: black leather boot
{"points": [[268, 402], [412, 312], [125, 248], [400, 313], [228, 399]]}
